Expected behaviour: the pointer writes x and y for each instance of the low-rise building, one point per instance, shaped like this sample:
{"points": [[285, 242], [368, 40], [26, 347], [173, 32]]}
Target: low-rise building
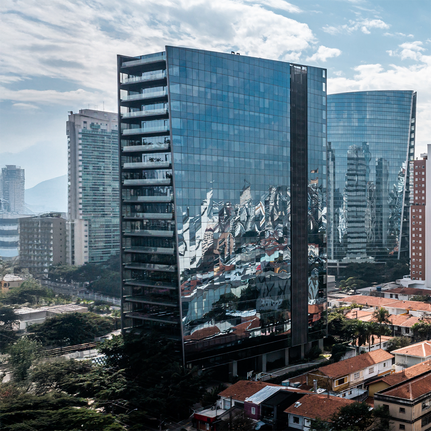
{"points": [[9, 281], [311, 407], [408, 403], [412, 355], [398, 377], [353, 372]]}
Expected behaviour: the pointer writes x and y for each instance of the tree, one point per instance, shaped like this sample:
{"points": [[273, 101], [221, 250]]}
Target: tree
{"points": [[352, 283], [421, 331], [22, 354], [352, 417], [7, 334], [398, 343], [29, 292], [71, 328], [381, 315]]}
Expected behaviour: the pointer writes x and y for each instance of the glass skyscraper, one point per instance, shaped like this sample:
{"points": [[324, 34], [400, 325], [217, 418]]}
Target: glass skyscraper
{"points": [[93, 186], [371, 139], [223, 204]]}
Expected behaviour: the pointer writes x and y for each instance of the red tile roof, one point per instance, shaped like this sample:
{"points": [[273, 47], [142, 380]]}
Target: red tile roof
{"points": [[244, 389], [371, 301], [315, 406], [357, 363], [200, 334], [407, 373], [412, 388], [422, 350]]}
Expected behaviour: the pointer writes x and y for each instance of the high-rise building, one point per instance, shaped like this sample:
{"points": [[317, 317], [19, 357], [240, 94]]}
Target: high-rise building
{"points": [[93, 190], [42, 242], [12, 183], [420, 216], [223, 191], [371, 139]]}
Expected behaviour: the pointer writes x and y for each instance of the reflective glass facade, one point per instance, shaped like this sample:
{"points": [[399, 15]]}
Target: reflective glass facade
{"points": [[371, 138], [223, 202]]}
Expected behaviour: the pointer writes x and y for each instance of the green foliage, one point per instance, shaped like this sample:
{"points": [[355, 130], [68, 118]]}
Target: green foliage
{"points": [[240, 422], [7, 316], [70, 329], [398, 343], [30, 292], [421, 331], [352, 417], [421, 298], [210, 397], [352, 283], [22, 354], [54, 411], [156, 380], [338, 351]]}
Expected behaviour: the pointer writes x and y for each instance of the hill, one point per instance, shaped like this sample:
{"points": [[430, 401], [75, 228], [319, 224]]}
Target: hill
{"points": [[49, 195]]}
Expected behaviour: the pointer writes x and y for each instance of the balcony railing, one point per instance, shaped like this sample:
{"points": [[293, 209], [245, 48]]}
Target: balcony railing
{"points": [[150, 216], [145, 78], [147, 165], [155, 317], [151, 250], [150, 267], [155, 199], [148, 182], [151, 233], [145, 60], [142, 96], [147, 113], [151, 301], [149, 283], [151, 148], [144, 130]]}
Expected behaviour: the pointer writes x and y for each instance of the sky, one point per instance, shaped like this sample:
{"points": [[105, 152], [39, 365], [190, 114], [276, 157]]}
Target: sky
{"points": [[58, 56]]}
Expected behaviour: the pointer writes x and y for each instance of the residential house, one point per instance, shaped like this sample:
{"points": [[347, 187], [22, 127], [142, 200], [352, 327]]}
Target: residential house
{"points": [[352, 373], [236, 394], [311, 407], [9, 281], [408, 403], [398, 377], [413, 354], [404, 293]]}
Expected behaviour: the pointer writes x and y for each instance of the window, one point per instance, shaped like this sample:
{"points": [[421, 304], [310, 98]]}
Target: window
{"points": [[426, 404], [341, 381], [356, 375], [402, 410], [295, 420], [253, 410], [371, 370], [402, 427]]}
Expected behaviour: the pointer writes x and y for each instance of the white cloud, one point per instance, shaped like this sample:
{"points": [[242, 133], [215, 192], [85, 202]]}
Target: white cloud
{"points": [[361, 24], [409, 50], [278, 4], [323, 53], [26, 106]]}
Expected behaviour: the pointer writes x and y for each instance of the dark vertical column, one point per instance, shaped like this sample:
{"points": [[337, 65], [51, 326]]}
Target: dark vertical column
{"points": [[299, 202]]}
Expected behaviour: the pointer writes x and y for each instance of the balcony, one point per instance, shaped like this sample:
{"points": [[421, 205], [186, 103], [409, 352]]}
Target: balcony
{"points": [[147, 59], [151, 199], [147, 113], [147, 165], [145, 130], [151, 148], [149, 283], [148, 182], [149, 267], [147, 77], [144, 96], [151, 233], [151, 301], [155, 317], [149, 216], [151, 250]]}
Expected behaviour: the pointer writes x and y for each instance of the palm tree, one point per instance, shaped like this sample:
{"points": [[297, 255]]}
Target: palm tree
{"points": [[381, 316]]}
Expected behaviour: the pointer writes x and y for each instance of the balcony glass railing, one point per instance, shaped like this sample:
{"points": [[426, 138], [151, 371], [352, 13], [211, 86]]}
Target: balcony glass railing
{"points": [[151, 148], [150, 233], [148, 199], [148, 182], [143, 130], [157, 250], [149, 267], [150, 216], [148, 113], [152, 76], [141, 96], [151, 58], [156, 317], [147, 165]]}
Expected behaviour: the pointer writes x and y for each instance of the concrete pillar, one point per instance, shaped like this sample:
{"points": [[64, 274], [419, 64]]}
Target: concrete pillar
{"points": [[234, 368], [286, 357], [264, 363], [321, 344], [302, 351]]}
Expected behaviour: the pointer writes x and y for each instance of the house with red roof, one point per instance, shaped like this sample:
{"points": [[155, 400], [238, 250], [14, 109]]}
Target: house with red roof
{"points": [[413, 354]]}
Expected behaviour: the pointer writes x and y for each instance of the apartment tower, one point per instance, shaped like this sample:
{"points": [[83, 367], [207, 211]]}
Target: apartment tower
{"points": [[93, 190]]}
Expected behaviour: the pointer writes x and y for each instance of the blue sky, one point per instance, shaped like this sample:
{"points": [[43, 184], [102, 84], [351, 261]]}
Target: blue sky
{"points": [[60, 55]]}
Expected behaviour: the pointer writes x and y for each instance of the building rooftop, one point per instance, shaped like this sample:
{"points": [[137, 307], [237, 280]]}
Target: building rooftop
{"points": [[407, 373], [421, 350], [411, 389], [315, 406], [374, 301], [244, 389], [357, 363], [263, 394], [11, 277]]}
